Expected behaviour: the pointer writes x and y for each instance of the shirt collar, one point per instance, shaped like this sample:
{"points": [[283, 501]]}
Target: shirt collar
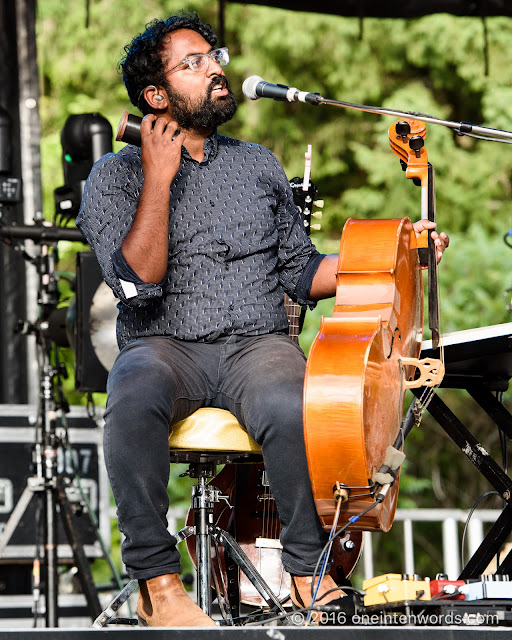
{"points": [[210, 147]]}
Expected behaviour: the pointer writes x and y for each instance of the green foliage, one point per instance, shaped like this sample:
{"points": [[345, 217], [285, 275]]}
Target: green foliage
{"points": [[473, 280]]}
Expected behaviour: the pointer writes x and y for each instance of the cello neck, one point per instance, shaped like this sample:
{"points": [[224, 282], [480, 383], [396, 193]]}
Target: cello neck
{"points": [[433, 297], [406, 138]]}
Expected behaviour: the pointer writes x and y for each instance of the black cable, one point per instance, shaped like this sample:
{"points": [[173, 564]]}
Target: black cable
{"points": [[326, 550], [484, 495], [279, 617], [480, 137], [302, 611]]}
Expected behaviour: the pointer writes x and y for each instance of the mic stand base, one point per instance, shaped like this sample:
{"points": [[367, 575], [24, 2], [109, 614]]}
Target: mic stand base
{"points": [[55, 496]]}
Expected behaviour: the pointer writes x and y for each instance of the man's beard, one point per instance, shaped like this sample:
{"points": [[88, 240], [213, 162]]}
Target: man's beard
{"points": [[208, 114]]}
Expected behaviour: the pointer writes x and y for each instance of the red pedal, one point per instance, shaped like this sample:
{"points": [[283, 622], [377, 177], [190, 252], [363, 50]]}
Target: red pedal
{"points": [[446, 589]]}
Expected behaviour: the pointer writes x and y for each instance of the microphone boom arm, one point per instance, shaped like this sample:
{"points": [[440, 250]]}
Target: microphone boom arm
{"points": [[462, 128], [255, 87]]}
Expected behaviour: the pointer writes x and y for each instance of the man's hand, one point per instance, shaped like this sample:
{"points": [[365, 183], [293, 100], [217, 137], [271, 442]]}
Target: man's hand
{"points": [[441, 240], [161, 142], [146, 247]]}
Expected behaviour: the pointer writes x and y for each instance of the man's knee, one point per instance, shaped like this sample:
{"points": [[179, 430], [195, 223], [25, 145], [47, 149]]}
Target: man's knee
{"points": [[277, 410]]}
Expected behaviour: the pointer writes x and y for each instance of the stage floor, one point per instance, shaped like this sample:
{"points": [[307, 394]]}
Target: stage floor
{"points": [[266, 633]]}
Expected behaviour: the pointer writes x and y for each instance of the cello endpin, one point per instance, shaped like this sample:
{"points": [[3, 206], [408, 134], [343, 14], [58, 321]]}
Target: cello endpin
{"points": [[340, 492]]}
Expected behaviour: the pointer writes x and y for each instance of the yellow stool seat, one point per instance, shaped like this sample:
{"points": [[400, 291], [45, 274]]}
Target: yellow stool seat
{"points": [[211, 430]]}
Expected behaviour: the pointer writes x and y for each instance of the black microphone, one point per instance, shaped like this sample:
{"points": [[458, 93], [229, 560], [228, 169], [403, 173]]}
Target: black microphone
{"points": [[255, 88]]}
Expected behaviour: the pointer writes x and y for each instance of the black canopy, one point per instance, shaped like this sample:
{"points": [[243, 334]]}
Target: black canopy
{"points": [[394, 8]]}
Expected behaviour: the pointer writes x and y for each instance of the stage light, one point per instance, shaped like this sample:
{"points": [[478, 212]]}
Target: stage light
{"points": [[84, 139]]}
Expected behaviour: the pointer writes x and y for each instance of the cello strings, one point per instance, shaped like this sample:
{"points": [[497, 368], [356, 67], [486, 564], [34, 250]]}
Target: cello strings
{"points": [[428, 392]]}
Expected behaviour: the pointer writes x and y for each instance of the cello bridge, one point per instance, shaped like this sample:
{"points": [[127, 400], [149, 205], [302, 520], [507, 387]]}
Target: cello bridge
{"points": [[431, 372]]}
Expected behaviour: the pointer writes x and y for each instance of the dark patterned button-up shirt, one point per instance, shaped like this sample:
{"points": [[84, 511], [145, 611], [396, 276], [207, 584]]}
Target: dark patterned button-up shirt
{"points": [[236, 244]]}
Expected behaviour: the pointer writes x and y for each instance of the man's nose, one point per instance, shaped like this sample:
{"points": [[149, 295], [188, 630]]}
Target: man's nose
{"points": [[214, 68]]}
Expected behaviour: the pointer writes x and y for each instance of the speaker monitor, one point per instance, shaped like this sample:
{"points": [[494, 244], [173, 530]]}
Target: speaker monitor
{"points": [[94, 334]]}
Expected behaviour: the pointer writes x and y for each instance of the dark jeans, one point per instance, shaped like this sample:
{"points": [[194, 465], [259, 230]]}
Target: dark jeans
{"points": [[157, 381]]}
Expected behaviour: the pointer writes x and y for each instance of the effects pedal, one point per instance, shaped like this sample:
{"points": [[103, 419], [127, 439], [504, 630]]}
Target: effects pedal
{"points": [[443, 589], [395, 587], [488, 587]]}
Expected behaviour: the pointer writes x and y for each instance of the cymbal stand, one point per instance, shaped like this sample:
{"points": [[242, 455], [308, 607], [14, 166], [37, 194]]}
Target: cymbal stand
{"points": [[47, 482]]}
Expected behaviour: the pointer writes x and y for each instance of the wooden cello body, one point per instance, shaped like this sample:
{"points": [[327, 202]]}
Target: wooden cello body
{"points": [[365, 356], [353, 396]]}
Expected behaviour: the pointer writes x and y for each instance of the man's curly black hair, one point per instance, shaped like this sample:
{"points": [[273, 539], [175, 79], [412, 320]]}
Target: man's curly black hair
{"points": [[142, 64]]}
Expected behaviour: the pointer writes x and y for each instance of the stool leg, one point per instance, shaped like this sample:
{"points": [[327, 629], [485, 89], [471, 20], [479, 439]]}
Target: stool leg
{"points": [[203, 509]]}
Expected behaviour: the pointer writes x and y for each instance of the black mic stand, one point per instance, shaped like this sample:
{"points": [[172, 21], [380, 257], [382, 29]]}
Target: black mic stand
{"points": [[294, 95], [461, 128], [47, 482]]}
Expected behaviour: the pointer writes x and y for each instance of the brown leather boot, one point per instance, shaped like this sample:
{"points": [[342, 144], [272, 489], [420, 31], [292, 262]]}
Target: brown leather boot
{"points": [[164, 602], [301, 592]]}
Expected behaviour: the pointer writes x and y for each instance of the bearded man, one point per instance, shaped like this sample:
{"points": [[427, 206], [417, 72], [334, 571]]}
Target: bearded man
{"points": [[199, 238]]}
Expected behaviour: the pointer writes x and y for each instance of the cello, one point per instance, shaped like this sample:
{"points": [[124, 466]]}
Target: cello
{"points": [[365, 356]]}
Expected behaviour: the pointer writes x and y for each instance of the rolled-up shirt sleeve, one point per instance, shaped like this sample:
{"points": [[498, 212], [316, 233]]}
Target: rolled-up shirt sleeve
{"points": [[109, 203], [303, 288]]}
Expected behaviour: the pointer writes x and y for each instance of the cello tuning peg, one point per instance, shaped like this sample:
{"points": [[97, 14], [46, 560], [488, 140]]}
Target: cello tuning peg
{"points": [[316, 227], [317, 214], [416, 143], [319, 203], [403, 128]]}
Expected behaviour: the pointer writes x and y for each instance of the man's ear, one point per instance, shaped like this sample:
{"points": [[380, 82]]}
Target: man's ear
{"points": [[155, 97]]}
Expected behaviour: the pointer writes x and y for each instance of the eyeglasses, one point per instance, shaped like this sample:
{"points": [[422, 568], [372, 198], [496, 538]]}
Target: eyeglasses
{"points": [[200, 62]]}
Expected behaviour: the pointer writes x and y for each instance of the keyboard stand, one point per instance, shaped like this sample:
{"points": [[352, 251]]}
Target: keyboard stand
{"points": [[480, 362]]}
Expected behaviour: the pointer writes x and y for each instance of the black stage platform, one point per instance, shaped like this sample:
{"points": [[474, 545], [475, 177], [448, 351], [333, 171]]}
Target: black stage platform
{"points": [[267, 633]]}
